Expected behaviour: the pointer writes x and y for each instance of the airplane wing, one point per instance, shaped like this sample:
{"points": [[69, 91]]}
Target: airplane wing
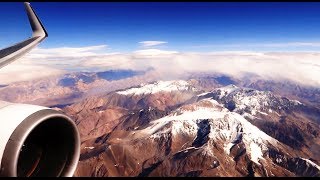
{"points": [[12, 53], [34, 140]]}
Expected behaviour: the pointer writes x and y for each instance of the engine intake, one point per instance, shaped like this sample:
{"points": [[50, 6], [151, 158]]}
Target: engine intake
{"points": [[44, 144]]}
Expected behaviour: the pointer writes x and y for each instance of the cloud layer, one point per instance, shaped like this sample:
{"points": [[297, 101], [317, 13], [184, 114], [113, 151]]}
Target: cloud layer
{"points": [[263, 45], [300, 67], [151, 43]]}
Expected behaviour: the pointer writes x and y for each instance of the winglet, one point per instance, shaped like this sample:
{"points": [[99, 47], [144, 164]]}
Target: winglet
{"points": [[36, 25], [10, 54]]}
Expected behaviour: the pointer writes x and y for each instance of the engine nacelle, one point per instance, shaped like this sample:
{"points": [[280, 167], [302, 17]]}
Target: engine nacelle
{"points": [[37, 141]]}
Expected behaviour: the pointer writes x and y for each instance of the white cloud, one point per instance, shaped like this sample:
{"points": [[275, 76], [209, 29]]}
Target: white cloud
{"points": [[303, 67], [153, 52], [151, 43], [42, 62], [292, 44], [21, 72], [262, 45], [67, 51]]}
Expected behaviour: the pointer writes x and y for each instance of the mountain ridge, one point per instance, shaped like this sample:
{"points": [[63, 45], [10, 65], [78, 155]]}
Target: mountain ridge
{"points": [[175, 141]]}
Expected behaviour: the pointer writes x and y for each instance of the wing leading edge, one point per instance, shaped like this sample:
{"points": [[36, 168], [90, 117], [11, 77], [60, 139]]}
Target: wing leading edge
{"points": [[12, 53]]}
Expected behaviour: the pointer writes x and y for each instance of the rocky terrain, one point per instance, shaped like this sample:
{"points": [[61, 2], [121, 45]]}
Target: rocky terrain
{"points": [[172, 128], [69, 88], [132, 124]]}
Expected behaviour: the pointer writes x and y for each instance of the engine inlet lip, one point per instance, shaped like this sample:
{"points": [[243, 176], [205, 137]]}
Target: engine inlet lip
{"points": [[11, 153]]}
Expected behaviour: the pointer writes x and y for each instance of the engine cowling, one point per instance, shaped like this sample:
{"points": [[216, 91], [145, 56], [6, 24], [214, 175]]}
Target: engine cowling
{"points": [[37, 141]]}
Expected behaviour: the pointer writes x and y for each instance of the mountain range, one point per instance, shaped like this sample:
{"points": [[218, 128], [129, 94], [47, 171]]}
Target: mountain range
{"points": [[172, 128], [133, 124]]}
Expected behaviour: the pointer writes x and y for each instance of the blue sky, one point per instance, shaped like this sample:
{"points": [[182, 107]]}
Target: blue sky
{"points": [[186, 27]]}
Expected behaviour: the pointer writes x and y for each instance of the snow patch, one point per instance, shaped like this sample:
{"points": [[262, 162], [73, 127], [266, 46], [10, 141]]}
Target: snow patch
{"points": [[90, 147], [225, 91], [185, 121], [160, 86], [247, 115], [228, 147], [278, 160], [263, 113], [203, 94], [255, 152], [187, 149], [296, 102], [312, 163]]}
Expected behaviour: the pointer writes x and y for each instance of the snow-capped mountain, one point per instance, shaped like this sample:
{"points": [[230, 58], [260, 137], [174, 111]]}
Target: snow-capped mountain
{"points": [[289, 121], [159, 86], [163, 95], [222, 125], [246, 100], [171, 128]]}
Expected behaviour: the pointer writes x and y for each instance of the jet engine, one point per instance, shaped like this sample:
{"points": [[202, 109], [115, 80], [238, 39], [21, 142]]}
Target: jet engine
{"points": [[37, 141]]}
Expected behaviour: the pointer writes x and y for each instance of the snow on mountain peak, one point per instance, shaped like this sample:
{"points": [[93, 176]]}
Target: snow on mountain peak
{"points": [[229, 127], [248, 100], [226, 90], [185, 119], [159, 86]]}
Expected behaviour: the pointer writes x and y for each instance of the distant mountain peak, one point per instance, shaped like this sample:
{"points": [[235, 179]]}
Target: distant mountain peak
{"points": [[159, 86], [238, 99]]}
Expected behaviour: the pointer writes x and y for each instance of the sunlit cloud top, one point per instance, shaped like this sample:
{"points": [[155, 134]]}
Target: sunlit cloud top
{"points": [[300, 67], [151, 43]]}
